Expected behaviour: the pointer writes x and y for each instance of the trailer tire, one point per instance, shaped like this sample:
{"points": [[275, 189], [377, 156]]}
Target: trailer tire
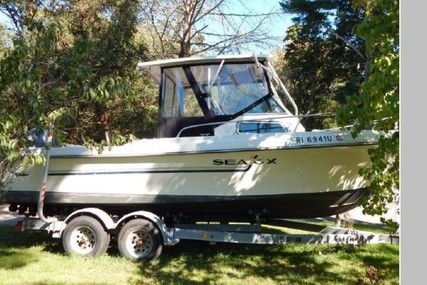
{"points": [[85, 236], [140, 239]]}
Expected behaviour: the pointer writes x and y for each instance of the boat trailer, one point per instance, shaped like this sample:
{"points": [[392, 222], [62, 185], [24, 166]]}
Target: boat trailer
{"points": [[141, 235]]}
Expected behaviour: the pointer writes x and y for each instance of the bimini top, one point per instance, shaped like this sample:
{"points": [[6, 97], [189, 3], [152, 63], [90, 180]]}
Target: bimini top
{"points": [[154, 67]]}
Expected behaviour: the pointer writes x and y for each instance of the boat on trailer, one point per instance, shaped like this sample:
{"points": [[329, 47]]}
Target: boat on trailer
{"points": [[227, 149]]}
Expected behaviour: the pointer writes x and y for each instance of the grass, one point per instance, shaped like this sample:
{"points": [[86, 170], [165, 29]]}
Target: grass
{"points": [[318, 224], [35, 258]]}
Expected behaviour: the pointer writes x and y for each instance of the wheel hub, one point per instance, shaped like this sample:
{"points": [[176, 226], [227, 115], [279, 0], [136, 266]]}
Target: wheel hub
{"points": [[83, 240], [140, 243]]}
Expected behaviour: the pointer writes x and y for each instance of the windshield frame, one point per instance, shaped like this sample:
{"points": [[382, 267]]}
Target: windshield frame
{"points": [[207, 81]]}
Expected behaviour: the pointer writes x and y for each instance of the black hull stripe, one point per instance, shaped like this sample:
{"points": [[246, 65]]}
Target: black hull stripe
{"points": [[150, 171]]}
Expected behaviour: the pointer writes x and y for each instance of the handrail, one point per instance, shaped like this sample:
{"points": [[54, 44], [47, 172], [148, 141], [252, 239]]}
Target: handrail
{"points": [[208, 89], [276, 77], [200, 125]]}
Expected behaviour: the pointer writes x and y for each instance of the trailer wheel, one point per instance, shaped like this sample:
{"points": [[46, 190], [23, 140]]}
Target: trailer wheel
{"points": [[140, 239], [85, 236]]}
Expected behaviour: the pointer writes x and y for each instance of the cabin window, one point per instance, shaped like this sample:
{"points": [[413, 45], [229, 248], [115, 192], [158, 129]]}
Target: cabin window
{"points": [[231, 87], [172, 93], [191, 105], [216, 90], [268, 106], [178, 96], [261, 127]]}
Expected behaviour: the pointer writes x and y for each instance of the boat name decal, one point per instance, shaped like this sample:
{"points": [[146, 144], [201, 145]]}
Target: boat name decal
{"points": [[315, 139], [242, 161]]}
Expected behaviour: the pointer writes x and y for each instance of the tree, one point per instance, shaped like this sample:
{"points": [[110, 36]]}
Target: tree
{"points": [[69, 64], [189, 27], [323, 57], [343, 56], [377, 103], [21, 101]]}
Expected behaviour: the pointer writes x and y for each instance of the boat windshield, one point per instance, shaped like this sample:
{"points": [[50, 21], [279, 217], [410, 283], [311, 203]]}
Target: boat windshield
{"points": [[218, 89]]}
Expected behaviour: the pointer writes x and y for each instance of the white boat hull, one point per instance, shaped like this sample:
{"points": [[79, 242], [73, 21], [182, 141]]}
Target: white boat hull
{"points": [[279, 176]]}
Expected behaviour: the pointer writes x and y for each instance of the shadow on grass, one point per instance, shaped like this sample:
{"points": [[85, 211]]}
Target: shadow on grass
{"points": [[10, 259], [191, 262], [197, 262], [13, 243]]}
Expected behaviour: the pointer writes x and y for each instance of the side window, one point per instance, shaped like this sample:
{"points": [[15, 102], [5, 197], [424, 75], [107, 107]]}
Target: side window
{"points": [[261, 127], [170, 98], [191, 105], [178, 98]]}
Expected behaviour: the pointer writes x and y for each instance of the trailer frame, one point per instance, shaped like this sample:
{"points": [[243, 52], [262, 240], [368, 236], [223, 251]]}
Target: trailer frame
{"points": [[146, 241]]}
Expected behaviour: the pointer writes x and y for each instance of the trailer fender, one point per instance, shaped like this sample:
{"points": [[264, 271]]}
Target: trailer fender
{"points": [[167, 235], [99, 214]]}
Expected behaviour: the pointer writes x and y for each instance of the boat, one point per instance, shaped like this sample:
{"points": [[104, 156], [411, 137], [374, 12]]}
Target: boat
{"points": [[227, 149]]}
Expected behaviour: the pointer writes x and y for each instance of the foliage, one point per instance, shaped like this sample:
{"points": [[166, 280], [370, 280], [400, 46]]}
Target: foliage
{"points": [[377, 104], [77, 58], [343, 57], [22, 100], [323, 58]]}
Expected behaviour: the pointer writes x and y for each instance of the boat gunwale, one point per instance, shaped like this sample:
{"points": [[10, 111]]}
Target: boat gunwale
{"points": [[193, 152]]}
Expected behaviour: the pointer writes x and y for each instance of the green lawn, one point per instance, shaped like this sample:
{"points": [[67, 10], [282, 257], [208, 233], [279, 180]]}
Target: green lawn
{"points": [[35, 258]]}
